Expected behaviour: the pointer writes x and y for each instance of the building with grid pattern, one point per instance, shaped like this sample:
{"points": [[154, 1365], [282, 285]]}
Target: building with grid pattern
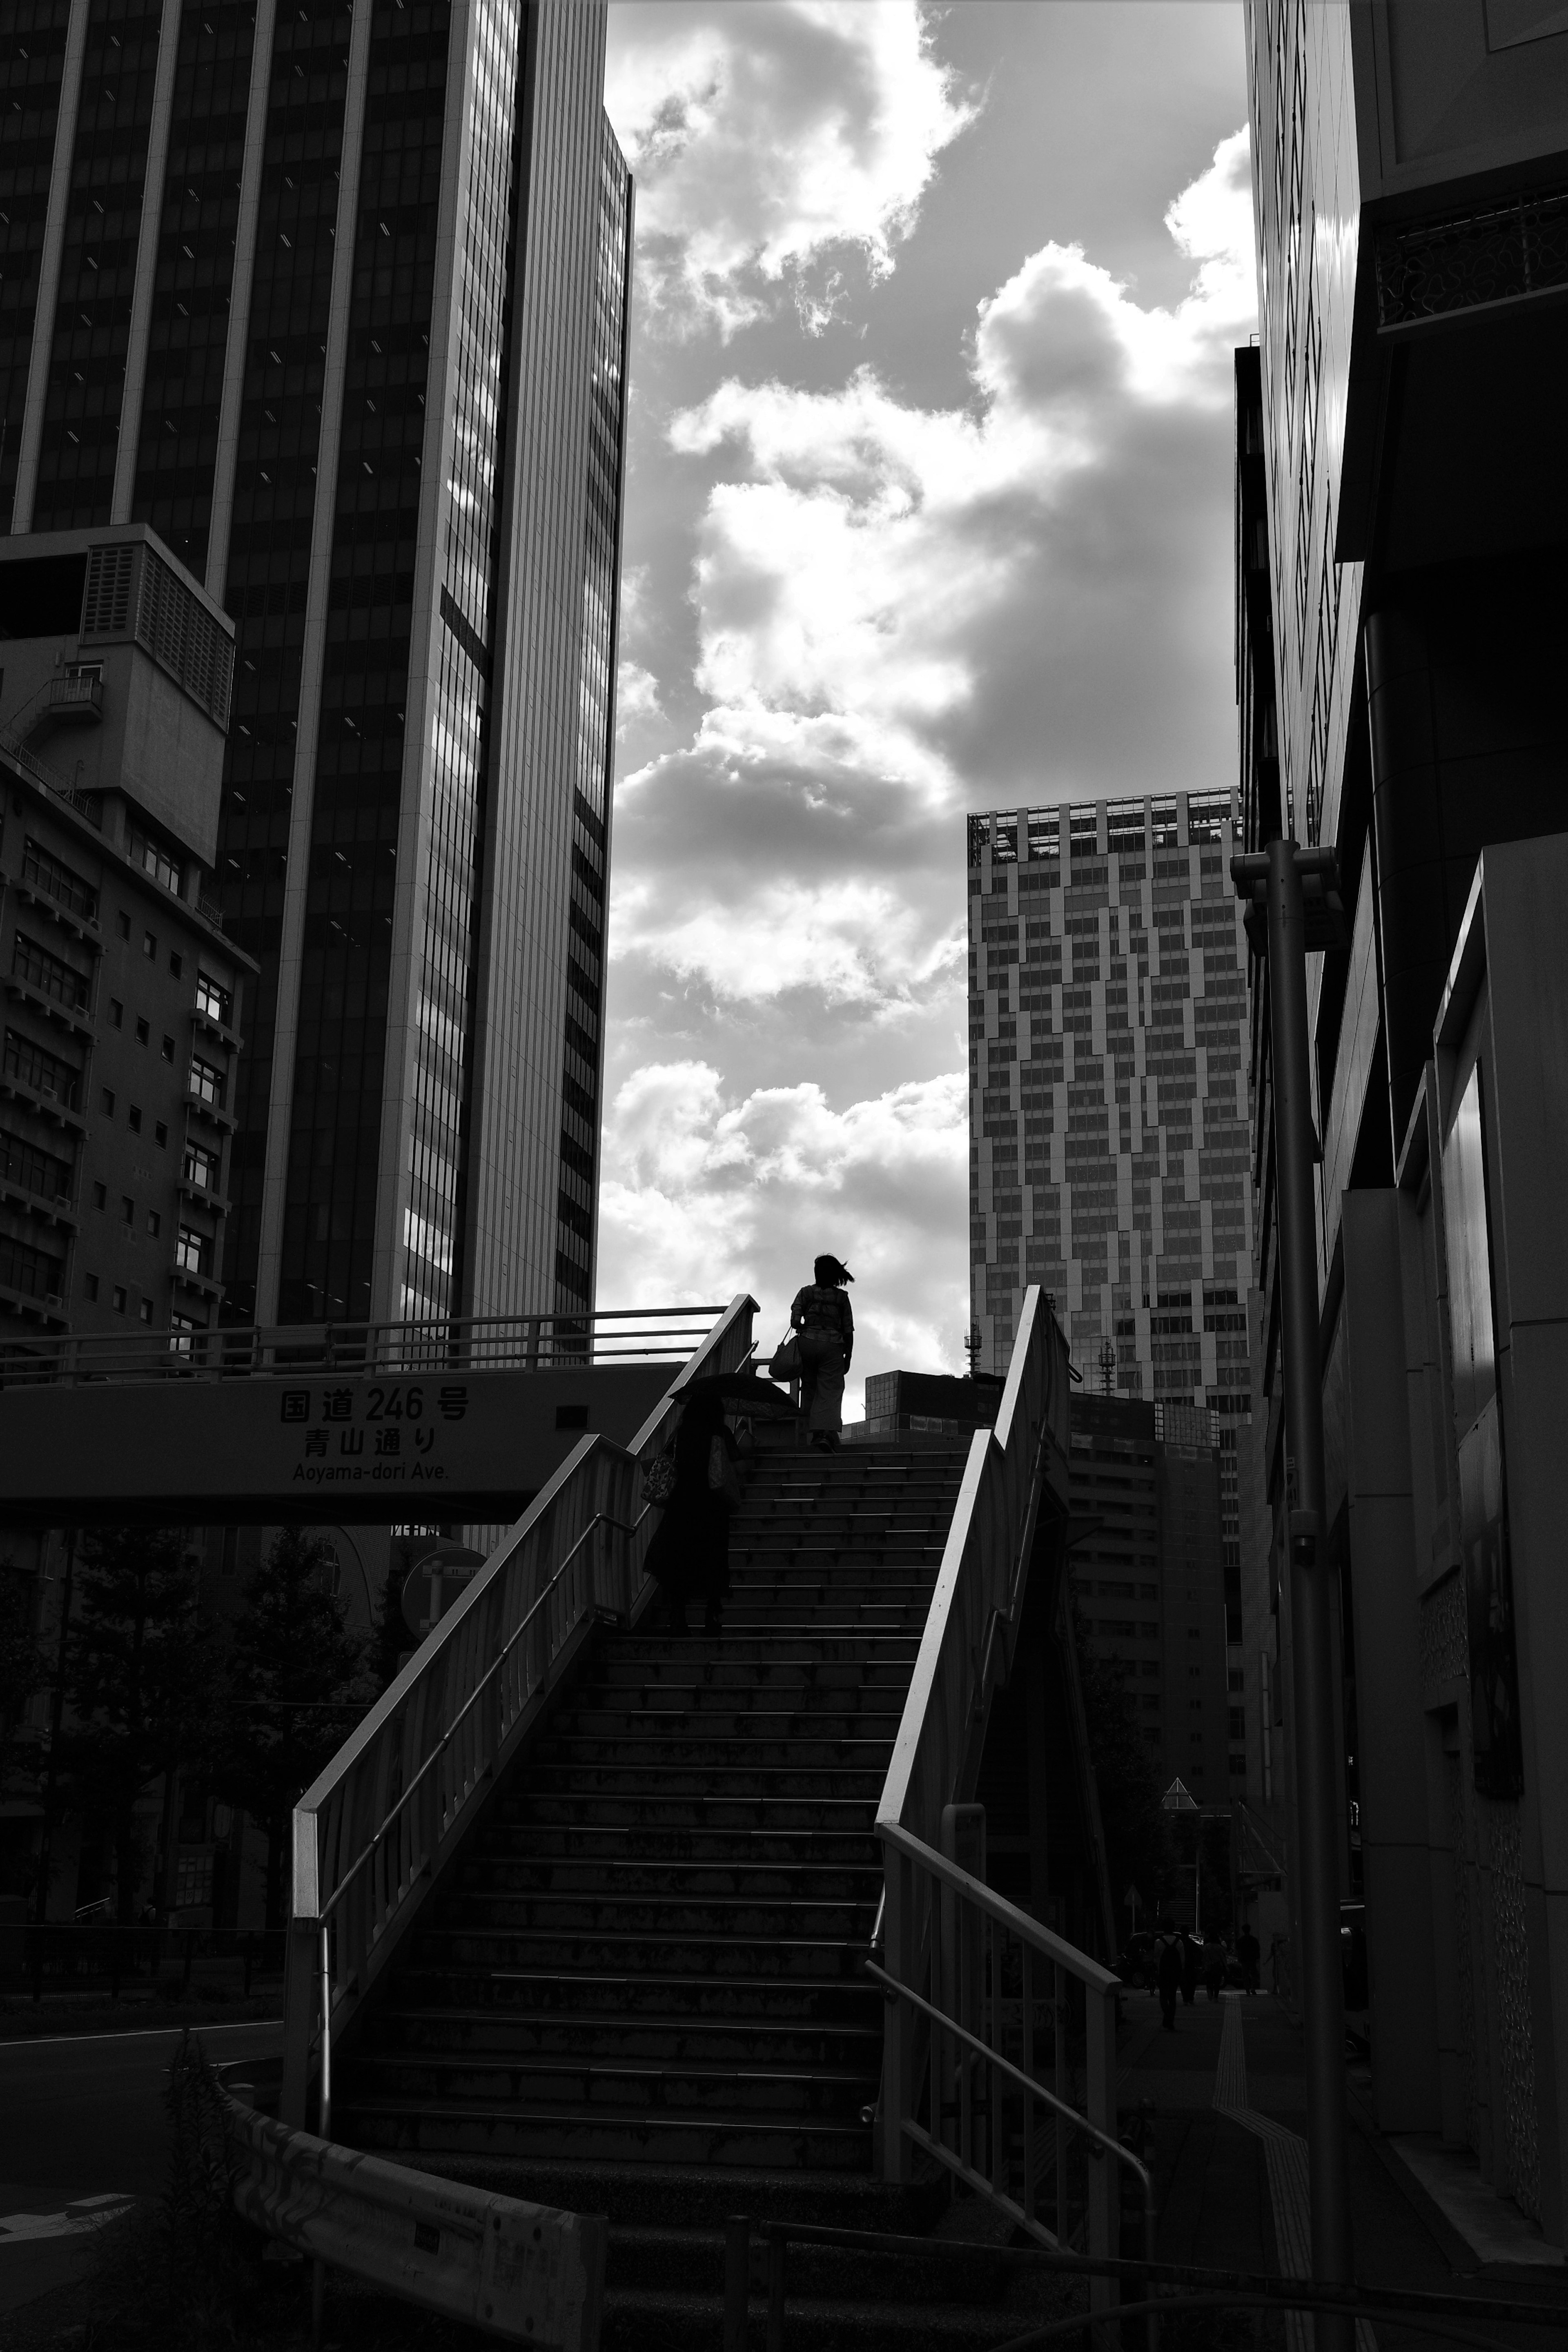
{"points": [[335, 300], [1110, 1140]]}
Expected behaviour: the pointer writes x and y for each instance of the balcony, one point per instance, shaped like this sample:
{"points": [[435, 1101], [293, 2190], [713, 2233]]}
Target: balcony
{"points": [[67, 701]]}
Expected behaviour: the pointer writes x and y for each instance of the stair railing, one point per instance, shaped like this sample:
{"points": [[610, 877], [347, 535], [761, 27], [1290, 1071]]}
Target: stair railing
{"points": [[967, 1975], [373, 1833]]}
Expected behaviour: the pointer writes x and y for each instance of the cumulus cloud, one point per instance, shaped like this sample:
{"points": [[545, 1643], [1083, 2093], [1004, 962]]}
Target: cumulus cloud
{"points": [[704, 1195], [902, 610], [767, 138]]}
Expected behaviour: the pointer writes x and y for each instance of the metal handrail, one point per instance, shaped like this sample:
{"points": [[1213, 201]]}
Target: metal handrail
{"points": [[599, 1519], [465, 1698]]}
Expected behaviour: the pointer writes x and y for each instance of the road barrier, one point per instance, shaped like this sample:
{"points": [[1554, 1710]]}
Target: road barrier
{"points": [[523, 2273]]}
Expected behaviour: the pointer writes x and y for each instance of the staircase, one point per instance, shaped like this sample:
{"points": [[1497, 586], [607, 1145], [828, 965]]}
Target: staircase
{"points": [[639, 1989]]}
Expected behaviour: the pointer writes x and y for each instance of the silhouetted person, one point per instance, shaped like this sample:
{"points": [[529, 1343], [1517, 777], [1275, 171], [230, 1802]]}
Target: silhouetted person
{"points": [[1189, 1968], [1249, 1953], [822, 1315], [690, 1554]]}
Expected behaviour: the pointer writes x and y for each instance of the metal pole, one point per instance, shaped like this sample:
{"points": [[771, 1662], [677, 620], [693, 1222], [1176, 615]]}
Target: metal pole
{"points": [[1317, 1777]]}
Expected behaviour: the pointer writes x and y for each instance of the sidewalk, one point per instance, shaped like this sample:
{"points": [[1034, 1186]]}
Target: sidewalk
{"points": [[1229, 2106]]}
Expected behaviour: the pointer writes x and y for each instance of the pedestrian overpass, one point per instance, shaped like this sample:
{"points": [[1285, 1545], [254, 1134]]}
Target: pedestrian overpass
{"points": [[461, 1421]]}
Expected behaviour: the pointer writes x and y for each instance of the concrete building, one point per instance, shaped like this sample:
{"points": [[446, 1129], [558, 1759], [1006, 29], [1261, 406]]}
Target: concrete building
{"points": [[337, 302], [1110, 1136], [1148, 1576], [123, 994], [1402, 496]]}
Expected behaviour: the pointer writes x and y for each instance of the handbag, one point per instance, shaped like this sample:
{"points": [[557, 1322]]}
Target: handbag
{"points": [[785, 1363], [659, 1480], [723, 1477]]}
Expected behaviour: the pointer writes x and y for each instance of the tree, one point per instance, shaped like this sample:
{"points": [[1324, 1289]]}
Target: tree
{"points": [[138, 1681], [293, 1693], [22, 1670], [1137, 1827]]}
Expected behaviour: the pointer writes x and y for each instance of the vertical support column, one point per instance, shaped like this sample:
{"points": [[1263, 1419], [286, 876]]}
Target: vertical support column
{"points": [[133, 382], [897, 2018], [49, 270], [313, 663], [222, 521], [299, 1974], [1104, 2172]]}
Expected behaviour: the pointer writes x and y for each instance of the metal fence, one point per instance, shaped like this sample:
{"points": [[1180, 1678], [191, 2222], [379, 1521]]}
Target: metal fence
{"points": [[373, 1833], [452, 1343], [103, 1959]]}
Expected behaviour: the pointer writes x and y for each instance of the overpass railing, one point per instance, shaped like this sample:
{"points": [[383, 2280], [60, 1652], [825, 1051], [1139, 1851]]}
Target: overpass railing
{"points": [[374, 1832], [968, 1978], [450, 1343]]}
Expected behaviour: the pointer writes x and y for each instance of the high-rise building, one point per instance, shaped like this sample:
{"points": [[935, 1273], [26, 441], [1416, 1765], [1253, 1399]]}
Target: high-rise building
{"points": [[1108, 1121], [1402, 478], [337, 302]]}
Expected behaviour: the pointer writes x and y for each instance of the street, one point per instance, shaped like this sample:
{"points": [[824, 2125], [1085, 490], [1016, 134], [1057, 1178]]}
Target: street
{"points": [[82, 2117]]}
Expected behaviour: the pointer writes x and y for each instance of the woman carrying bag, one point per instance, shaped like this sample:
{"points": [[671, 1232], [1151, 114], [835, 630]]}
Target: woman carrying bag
{"points": [[690, 1554], [822, 1320]]}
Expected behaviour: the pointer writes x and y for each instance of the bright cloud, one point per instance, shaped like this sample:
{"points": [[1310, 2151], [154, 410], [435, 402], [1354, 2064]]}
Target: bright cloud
{"points": [[704, 1195], [900, 610], [767, 138]]}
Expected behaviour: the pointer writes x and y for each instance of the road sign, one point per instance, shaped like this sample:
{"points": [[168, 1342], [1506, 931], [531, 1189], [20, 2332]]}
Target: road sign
{"points": [[1177, 1799], [433, 1583]]}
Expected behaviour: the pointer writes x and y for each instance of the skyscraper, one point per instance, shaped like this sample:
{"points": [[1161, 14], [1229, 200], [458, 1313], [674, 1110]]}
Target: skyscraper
{"points": [[1108, 1072], [337, 302]]}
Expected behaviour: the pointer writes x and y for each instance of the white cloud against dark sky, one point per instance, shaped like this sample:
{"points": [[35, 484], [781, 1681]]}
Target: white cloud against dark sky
{"points": [[928, 510]]}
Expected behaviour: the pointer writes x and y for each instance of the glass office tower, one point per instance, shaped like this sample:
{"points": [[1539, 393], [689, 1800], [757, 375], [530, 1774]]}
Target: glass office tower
{"points": [[337, 302]]}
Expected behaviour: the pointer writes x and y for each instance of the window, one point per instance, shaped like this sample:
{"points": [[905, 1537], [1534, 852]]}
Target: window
{"points": [[30, 1164], [89, 1288], [167, 1049], [176, 965], [100, 1197], [180, 1326], [106, 1101], [201, 1167], [35, 1066], [134, 1117], [116, 1013], [191, 1251], [126, 1210], [154, 1222], [144, 1310], [207, 1081], [49, 974], [29, 1270], [118, 1300], [155, 860], [143, 1033], [41, 867], [215, 1001], [122, 925], [160, 1135], [149, 945]]}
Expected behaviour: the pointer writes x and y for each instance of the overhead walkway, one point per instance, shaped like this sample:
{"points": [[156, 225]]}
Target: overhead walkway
{"points": [[672, 1929], [459, 1421]]}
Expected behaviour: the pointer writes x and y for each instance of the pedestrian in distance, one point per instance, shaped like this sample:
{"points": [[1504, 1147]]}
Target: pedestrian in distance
{"points": [[690, 1554], [821, 1316], [1189, 1970], [1247, 1953], [1169, 1975], [1214, 1967]]}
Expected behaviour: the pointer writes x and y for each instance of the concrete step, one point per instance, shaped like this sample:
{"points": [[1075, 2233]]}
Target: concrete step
{"points": [[637, 1992], [622, 1878], [605, 2136], [689, 1951], [739, 1918], [628, 2086], [586, 2034]]}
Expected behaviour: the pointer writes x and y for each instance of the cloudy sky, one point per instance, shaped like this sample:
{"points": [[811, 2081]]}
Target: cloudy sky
{"points": [[928, 510]]}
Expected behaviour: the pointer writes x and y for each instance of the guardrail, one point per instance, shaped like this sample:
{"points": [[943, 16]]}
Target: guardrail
{"points": [[453, 1343], [962, 1964], [526, 2273], [373, 1833], [71, 1958]]}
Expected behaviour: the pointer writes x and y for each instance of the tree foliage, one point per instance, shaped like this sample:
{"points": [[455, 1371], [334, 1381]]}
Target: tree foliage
{"points": [[294, 1691], [140, 1680]]}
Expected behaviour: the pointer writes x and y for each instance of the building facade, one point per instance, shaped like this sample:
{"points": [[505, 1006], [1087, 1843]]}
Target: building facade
{"points": [[1402, 485], [1109, 1059], [123, 995], [337, 302]]}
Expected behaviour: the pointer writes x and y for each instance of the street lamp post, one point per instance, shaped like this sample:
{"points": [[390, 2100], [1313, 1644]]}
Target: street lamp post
{"points": [[1294, 905]]}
